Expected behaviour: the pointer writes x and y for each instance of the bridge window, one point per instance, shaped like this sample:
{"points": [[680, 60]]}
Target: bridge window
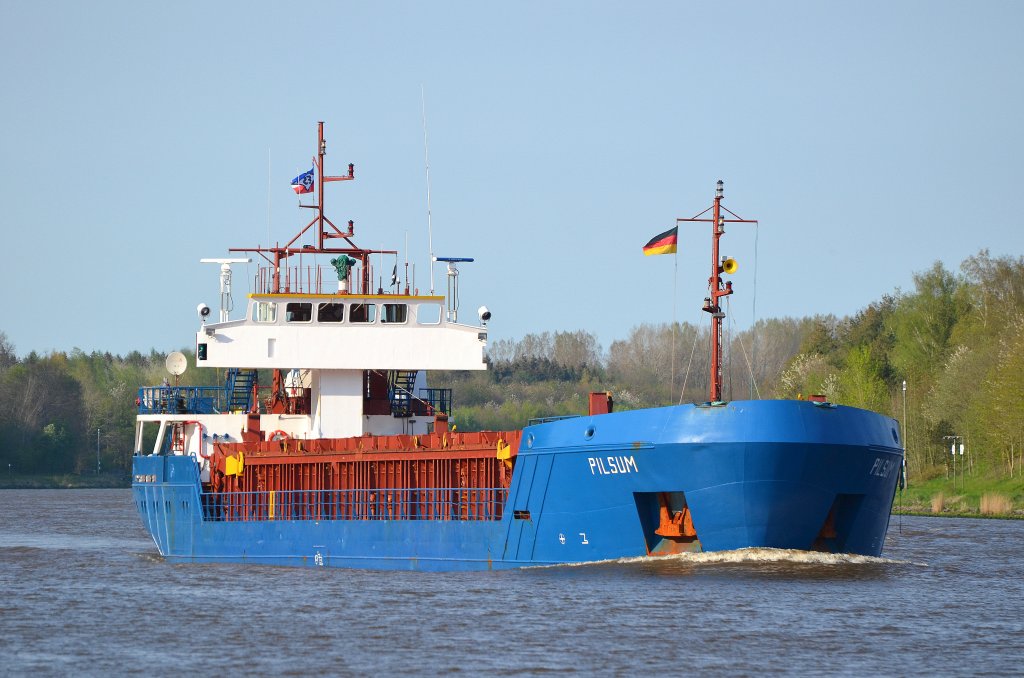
{"points": [[428, 314], [299, 312], [362, 313], [330, 313], [264, 312], [394, 313]]}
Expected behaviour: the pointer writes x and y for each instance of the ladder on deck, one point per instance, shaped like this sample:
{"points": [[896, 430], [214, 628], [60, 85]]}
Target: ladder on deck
{"points": [[239, 389], [400, 386]]}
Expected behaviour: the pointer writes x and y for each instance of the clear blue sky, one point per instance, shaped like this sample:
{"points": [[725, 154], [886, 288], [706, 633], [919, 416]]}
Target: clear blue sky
{"points": [[870, 139]]}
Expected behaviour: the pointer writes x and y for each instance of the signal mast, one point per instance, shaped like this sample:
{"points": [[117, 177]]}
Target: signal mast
{"points": [[278, 255], [325, 231], [717, 288]]}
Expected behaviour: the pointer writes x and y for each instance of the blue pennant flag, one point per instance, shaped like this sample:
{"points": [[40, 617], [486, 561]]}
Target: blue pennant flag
{"points": [[303, 183]]}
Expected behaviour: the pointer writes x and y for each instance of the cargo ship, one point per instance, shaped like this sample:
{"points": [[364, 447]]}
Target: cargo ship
{"points": [[343, 456]]}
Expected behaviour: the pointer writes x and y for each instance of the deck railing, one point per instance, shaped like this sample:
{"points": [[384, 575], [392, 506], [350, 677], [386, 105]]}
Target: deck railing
{"points": [[182, 400], [211, 400], [308, 279], [445, 503]]}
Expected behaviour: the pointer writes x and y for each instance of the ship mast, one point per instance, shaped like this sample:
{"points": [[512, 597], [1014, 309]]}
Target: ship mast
{"points": [[717, 288], [325, 229]]}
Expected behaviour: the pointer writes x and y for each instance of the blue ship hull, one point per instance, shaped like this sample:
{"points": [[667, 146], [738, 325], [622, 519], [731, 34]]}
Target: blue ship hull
{"points": [[779, 474]]}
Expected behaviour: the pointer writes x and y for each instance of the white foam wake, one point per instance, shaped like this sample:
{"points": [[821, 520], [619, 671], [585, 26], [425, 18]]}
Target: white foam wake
{"points": [[754, 555]]}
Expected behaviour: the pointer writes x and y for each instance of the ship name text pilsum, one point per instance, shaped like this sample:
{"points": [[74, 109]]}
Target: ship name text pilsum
{"points": [[609, 465]]}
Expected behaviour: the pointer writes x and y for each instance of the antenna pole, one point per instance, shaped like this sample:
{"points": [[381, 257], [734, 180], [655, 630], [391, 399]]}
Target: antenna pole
{"points": [[268, 194], [426, 162], [321, 149], [226, 302]]}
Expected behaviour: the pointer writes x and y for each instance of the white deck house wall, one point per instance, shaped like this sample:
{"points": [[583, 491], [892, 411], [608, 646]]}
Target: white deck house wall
{"points": [[346, 346]]}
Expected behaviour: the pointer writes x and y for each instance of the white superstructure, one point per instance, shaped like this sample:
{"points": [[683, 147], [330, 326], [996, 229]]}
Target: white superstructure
{"points": [[342, 332], [304, 364]]}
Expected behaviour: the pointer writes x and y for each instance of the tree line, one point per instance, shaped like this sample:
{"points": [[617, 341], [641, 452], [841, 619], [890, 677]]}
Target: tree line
{"points": [[957, 339], [57, 410]]}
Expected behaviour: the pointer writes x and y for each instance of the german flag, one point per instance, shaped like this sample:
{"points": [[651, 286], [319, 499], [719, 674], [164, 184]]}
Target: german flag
{"points": [[663, 243]]}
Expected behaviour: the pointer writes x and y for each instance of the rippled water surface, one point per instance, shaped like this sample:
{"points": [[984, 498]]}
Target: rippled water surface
{"points": [[83, 591]]}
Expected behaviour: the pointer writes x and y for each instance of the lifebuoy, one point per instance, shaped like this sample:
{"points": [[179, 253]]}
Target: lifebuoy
{"points": [[278, 435]]}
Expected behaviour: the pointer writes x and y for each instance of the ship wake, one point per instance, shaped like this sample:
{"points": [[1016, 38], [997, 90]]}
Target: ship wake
{"points": [[753, 556]]}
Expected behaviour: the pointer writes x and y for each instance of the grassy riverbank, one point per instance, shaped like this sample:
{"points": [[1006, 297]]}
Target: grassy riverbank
{"points": [[62, 481], [967, 497]]}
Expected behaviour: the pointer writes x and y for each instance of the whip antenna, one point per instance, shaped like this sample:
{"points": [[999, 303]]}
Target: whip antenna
{"points": [[269, 186], [426, 163]]}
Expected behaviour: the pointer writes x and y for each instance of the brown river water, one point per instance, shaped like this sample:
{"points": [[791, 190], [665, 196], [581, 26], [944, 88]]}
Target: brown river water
{"points": [[83, 592]]}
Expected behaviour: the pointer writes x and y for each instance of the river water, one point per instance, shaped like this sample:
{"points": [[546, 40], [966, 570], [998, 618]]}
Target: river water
{"points": [[83, 591]]}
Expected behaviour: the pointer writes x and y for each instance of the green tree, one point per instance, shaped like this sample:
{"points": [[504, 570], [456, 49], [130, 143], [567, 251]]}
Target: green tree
{"points": [[808, 374], [924, 322], [860, 382], [7, 356], [46, 423], [1003, 404]]}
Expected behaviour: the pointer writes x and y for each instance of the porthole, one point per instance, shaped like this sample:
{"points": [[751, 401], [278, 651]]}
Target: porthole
{"points": [[589, 433]]}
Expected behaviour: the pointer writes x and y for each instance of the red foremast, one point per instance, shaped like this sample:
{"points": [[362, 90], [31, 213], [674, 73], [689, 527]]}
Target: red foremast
{"points": [[717, 288]]}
